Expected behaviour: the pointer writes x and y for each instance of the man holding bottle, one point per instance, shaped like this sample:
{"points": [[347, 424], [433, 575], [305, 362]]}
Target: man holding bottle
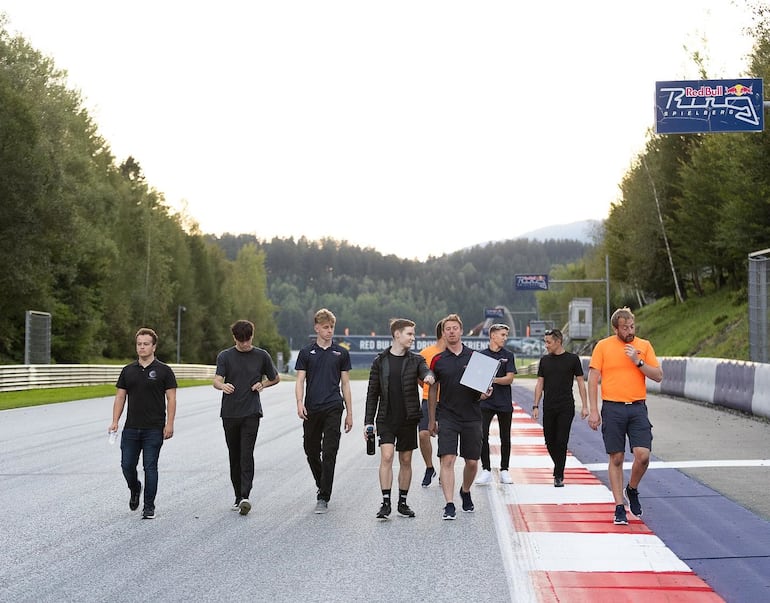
{"points": [[393, 404]]}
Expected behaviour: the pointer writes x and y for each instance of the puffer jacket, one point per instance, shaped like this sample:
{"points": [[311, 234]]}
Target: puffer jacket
{"points": [[414, 369]]}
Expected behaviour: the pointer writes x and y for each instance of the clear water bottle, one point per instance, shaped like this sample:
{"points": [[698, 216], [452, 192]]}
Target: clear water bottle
{"points": [[113, 436], [370, 440]]}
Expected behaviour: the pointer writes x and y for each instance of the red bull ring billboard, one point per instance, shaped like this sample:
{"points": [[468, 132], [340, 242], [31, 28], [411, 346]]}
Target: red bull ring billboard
{"points": [[363, 348], [707, 106]]}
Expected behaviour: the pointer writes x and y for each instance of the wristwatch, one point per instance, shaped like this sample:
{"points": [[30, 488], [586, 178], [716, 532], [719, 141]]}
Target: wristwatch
{"points": [[640, 364]]}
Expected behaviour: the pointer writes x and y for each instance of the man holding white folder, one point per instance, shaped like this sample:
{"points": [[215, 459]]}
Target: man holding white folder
{"points": [[459, 416]]}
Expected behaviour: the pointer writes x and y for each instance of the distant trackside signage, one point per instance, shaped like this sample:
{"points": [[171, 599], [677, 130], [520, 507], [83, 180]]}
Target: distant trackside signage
{"points": [[705, 106], [529, 282]]}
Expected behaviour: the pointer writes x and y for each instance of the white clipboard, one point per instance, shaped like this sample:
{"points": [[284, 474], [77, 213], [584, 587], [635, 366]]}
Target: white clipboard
{"points": [[480, 371]]}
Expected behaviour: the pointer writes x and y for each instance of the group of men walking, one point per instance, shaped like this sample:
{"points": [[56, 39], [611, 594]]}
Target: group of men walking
{"points": [[403, 419]]}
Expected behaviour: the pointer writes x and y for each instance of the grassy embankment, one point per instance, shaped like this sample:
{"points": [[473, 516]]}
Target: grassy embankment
{"points": [[715, 326]]}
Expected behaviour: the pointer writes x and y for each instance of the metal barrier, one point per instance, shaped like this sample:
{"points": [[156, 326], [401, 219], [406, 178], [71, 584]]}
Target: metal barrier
{"points": [[17, 377]]}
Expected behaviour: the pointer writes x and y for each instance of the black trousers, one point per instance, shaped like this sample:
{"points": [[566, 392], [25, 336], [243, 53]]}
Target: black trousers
{"points": [[322, 441], [504, 426], [241, 436], [557, 422]]}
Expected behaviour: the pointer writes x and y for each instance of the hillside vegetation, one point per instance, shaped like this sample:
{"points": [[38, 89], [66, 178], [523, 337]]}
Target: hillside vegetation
{"points": [[86, 238], [712, 326]]}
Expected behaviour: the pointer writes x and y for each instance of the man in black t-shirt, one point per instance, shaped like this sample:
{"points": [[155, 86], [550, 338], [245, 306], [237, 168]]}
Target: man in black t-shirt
{"points": [[149, 386], [499, 403], [555, 376], [457, 421], [243, 371]]}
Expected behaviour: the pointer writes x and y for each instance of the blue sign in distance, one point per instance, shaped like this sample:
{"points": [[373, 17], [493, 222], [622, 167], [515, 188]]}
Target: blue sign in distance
{"points": [[531, 282], [707, 106], [494, 313]]}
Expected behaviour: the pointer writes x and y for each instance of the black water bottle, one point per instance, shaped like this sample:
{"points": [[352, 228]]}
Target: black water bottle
{"points": [[370, 440]]}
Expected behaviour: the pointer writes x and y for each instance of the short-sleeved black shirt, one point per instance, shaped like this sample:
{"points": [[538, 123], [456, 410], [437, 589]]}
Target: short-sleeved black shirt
{"points": [[457, 401], [324, 368], [558, 372], [502, 397], [146, 387], [243, 369]]}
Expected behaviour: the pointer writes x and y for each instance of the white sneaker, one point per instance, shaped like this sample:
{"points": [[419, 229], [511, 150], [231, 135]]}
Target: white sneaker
{"points": [[484, 478], [505, 477]]}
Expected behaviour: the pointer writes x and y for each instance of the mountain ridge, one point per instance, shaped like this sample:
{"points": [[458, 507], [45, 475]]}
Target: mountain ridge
{"points": [[585, 231]]}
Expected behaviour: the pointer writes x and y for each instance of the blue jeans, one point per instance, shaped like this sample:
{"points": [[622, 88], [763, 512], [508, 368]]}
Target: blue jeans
{"points": [[148, 443]]}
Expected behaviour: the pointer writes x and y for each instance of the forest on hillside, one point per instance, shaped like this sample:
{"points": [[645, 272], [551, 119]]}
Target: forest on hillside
{"points": [[365, 289], [86, 238]]}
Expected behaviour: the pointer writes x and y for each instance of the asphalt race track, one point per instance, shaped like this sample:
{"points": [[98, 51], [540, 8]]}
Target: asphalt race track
{"points": [[68, 534]]}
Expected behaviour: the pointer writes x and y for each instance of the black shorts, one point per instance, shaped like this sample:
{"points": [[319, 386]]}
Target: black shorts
{"points": [[404, 437], [620, 420], [423, 426], [468, 433]]}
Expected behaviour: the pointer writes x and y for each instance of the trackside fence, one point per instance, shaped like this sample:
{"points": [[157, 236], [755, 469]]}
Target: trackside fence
{"points": [[735, 384], [17, 377]]}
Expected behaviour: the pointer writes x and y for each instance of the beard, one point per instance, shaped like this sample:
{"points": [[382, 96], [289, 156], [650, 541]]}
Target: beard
{"points": [[627, 338]]}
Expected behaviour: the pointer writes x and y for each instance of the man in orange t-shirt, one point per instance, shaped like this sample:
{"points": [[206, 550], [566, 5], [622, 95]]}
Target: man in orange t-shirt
{"points": [[426, 447], [623, 362]]}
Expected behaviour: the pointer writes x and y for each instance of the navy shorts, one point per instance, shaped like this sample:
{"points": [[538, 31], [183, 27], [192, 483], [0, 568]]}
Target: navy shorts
{"points": [[621, 420], [404, 437], [468, 433], [423, 426]]}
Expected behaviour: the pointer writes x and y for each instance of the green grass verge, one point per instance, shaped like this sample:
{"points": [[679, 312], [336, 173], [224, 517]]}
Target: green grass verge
{"points": [[713, 326]]}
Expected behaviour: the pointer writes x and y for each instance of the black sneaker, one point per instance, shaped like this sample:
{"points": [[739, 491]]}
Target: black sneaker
{"points": [[237, 504], [632, 495], [449, 511], [148, 513], [430, 473], [384, 511], [244, 506], [404, 510], [558, 482], [133, 502], [620, 516], [467, 502]]}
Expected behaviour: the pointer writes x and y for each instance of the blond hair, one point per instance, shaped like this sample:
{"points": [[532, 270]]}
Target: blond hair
{"points": [[323, 316]]}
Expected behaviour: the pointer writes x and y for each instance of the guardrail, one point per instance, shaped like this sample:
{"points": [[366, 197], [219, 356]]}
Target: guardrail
{"points": [[17, 377], [736, 384]]}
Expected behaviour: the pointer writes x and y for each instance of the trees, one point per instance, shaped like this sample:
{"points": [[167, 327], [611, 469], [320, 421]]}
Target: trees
{"points": [[92, 242]]}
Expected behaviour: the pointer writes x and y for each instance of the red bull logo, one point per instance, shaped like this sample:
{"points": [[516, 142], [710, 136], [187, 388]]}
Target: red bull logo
{"points": [[738, 90], [714, 91]]}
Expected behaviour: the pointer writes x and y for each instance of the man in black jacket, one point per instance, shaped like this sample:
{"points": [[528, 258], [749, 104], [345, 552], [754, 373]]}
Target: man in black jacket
{"points": [[393, 404]]}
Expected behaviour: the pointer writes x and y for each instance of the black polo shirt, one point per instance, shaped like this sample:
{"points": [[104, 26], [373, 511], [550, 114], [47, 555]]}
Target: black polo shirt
{"points": [[457, 401], [323, 368], [146, 387]]}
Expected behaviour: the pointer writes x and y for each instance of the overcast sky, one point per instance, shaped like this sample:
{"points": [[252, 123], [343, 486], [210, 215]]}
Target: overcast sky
{"points": [[417, 128]]}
